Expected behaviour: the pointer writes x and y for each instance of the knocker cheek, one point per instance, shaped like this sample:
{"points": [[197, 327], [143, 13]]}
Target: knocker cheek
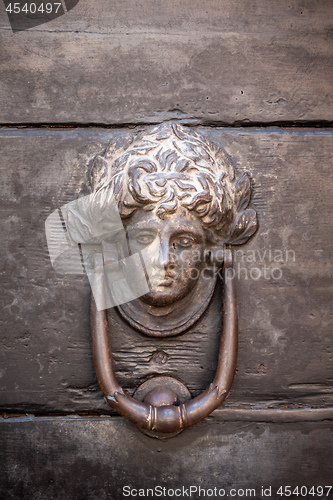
{"points": [[194, 273], [194, 255], [208, 273]]}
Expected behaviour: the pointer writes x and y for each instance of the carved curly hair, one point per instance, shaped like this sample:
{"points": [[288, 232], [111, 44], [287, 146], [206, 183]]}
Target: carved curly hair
{"points": [[170, 167]]}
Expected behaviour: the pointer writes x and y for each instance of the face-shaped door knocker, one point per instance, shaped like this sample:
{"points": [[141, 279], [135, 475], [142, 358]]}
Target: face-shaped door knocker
{"points": [[159, 225]]}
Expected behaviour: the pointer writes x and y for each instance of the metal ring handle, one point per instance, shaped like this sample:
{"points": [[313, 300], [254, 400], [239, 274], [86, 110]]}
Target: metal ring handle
{"points": [[170, 418]]}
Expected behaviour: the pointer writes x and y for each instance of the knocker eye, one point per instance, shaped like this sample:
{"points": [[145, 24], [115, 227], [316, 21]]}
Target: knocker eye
{"points": [[183, 242], [145, 239]]}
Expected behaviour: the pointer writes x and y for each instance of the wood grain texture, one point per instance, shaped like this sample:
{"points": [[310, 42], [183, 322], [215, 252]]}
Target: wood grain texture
{"points": [[285, 355], [96, 457], [131, 62]]}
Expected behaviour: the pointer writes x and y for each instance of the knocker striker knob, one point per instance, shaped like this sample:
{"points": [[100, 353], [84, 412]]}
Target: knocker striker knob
{"points": [[161, 396]]}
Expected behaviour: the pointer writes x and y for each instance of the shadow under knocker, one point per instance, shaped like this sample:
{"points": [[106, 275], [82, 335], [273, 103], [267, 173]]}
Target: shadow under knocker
{"points": [[164, 211]]}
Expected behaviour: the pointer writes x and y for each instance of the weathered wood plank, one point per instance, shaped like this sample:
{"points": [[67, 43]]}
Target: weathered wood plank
{"points": [[286, 318], [97, 458], [133, 62]]}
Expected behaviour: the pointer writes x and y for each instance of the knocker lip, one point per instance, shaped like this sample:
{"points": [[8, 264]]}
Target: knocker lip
{"points": [[166, 282]]}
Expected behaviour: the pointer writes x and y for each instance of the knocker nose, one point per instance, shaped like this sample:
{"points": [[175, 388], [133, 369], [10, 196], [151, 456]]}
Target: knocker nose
{"points": [[163, 257]]}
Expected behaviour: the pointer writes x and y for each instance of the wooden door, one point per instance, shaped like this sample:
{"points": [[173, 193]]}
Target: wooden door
{"points": [[254, 77]]}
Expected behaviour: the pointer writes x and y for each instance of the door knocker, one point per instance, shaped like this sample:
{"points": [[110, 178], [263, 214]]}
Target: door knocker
{"points": [[160, 223]]}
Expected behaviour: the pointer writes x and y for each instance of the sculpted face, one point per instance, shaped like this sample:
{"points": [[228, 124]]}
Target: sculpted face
{"points": [[173, 250], [161, 201], [175, 194]]}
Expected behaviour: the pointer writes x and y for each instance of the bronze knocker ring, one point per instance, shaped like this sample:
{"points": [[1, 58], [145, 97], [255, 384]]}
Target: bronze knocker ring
{"points": [[169, 418]]}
